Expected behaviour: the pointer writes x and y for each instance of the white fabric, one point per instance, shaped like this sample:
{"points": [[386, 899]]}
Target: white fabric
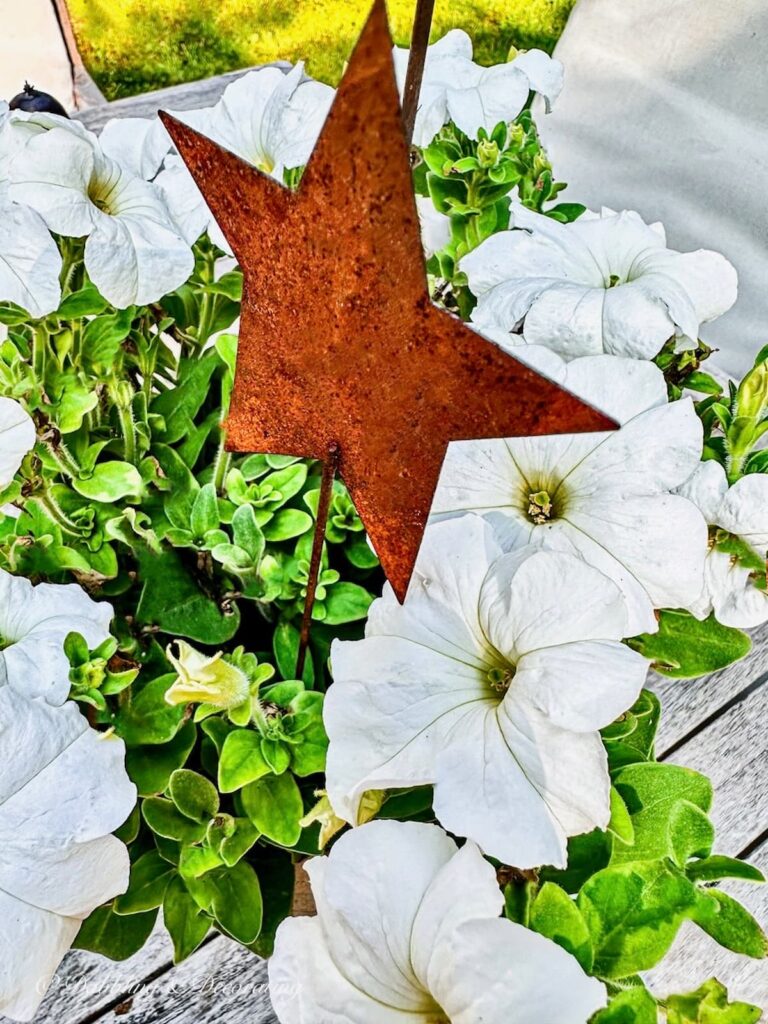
{"points": [[665, 110]]}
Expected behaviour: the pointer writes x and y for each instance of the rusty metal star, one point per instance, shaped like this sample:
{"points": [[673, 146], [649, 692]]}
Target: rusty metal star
{"points": [[342, 355]]}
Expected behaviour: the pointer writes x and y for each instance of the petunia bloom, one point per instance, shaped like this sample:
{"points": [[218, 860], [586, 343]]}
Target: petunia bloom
{"points": [[408, 930], [269, 118], [604, 496], [63, 790], [30, 261], [604, 283], [134, 252], [34, 623], [456, 89], [17, 436], [739, 511], [490, 685]]}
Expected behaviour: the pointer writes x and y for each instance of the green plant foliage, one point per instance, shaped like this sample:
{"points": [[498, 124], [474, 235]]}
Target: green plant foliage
{"points": [[686, 647]]}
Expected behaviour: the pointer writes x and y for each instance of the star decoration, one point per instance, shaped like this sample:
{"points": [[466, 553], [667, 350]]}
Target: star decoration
{"points": [[341, 349]]}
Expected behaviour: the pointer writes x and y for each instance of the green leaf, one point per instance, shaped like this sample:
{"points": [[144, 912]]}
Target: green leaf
{"points": [[150, 875], [247, 533], [555, 915], [186, 923], [103, 336], [275, 807], [730, 924], [285, 644], [709, 1005], [713, 868], [633, 912], [86, 302], [113, 935], [111, 481], [149, 718], [286, 524], [237, 905], [668, 805], [150, 767], [685, 647], [173, 601], [233, 848], [166, 821], [241, 760], [194, 795], [629, 1006], [631, 737], [346, 602], [205, 512]]}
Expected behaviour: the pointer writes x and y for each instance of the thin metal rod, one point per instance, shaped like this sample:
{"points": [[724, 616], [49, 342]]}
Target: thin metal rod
{"points": [[330, 466], [422, 23]]}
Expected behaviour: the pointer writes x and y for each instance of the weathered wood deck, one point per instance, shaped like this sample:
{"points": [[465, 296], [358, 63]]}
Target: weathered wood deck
{"points": [[716, 725]]}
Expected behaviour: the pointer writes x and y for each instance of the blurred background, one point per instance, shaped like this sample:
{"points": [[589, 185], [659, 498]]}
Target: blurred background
{"points": [[132, 46]]}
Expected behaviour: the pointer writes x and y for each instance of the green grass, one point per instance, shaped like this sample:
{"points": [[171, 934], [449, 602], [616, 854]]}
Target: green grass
{"points": [[132, 46]]}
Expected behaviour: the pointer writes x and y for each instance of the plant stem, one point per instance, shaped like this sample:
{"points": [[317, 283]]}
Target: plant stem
{"points": [[128, 429], [52, 508], [221, 466]]}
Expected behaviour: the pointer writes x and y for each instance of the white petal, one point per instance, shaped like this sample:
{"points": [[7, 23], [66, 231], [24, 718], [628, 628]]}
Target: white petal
{"points": [[744, 510], [543, 72], [635, 323], [17, 433], [499, 94], [581, 686], [522, 607], [133, 259], [435, 226], [34, 622], [706, 487], [568, 318], [734, 597], [301, 123], [52, 175], [622, 388], [30, 262], [368, 894], [709, 280], [184, 200], [499, 972], [482, 792], [306, 985], [138, 144], [441, 609], [391, 707], [32, 945], [464, 889], [508, 255]]}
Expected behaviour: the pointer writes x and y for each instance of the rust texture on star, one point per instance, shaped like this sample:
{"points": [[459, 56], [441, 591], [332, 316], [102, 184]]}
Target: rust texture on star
{"points": [[339, 340]]}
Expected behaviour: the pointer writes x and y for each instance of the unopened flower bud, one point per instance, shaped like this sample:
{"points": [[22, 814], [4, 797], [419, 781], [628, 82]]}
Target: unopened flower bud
{"points": [[487, 153], [753, 393]]}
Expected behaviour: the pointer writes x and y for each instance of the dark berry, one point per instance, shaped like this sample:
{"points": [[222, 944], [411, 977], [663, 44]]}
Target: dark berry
{"points": [[32, 100]]}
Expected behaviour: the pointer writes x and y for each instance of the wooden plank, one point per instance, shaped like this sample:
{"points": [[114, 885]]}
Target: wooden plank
{"points": [[190, 96], [733, 752], [695, 957], [688, 704]]}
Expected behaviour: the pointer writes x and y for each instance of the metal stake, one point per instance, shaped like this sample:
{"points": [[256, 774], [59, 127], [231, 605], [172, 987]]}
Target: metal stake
{"points": [[330, 466], [422, 23]]}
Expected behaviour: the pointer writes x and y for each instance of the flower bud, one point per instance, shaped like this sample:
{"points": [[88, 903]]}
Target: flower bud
{"points": [[205, 679], [753, 393], [330, 823], [487, 153]]}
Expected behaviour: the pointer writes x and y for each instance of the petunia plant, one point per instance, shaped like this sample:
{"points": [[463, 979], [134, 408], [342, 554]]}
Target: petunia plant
{"points": [[470, 778]]}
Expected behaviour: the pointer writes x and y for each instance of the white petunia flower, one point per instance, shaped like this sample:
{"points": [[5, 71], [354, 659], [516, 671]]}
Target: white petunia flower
{"points": [[268, 118], [604, 283], [491, 682], [456, 89], [17, 437], [30, 262], [138, 144], [740, 510], [133, 252], [603, 496], [34, 623], [408, 929], [63, 789]]}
